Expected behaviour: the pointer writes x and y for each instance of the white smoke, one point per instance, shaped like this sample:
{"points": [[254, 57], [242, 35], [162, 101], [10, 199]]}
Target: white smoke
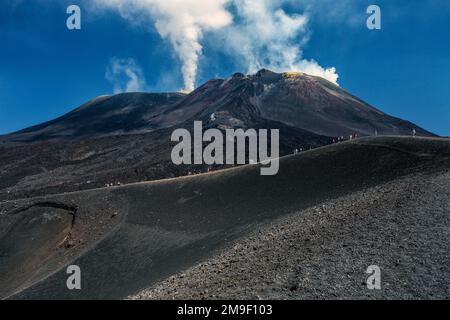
{"points": [[182, 22], [125, 75], [267, 37], [258, 33]]}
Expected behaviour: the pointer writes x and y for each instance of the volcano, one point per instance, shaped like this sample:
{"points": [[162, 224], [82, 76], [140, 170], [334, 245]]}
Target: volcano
{"points": [[96, 188], [125, 138], [293, 99]]}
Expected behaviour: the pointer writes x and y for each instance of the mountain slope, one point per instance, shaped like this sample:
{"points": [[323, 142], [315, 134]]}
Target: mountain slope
{"points": [[131, 237], [127, 137], [319, 106], [295, 99], [43, 168], [122, 113], [323, 252]]}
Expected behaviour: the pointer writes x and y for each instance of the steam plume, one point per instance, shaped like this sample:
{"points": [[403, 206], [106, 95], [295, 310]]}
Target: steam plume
{"points": [[182, 22]]}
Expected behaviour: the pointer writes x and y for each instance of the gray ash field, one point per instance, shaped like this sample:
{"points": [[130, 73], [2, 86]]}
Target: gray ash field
{"points": [[323, 252], [308, 232]]}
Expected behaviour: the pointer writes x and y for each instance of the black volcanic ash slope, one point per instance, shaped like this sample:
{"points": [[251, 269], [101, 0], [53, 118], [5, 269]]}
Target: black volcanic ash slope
{"points": [[126, 138], [129, 238]]}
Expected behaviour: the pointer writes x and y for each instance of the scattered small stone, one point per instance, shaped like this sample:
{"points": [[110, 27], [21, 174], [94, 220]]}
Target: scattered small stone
{"points": [[69, 244]]}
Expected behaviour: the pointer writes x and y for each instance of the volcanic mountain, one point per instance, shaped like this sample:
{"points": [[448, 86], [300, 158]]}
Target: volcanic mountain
{"points": [[311, 231], [297, 100], [126, 137]]}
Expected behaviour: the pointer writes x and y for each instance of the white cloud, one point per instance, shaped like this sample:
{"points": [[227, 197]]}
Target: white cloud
{"points": [[125, 75]]}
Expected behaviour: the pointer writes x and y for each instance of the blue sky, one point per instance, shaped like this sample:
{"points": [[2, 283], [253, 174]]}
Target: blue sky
{"points": [[47, 70]]}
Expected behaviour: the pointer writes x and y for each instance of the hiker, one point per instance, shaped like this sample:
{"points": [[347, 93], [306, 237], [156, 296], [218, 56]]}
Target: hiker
{"points": [[414, 132]]}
